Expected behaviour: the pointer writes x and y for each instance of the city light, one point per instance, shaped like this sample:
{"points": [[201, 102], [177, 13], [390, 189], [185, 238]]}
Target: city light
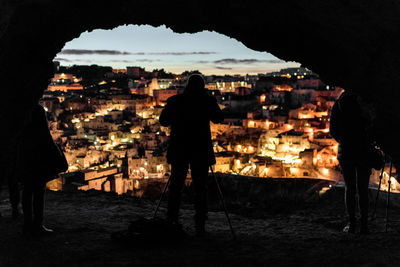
{"points": [[117, 133]]}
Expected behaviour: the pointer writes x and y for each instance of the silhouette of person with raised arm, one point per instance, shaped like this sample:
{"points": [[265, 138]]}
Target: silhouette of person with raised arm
{"points": [[348, 126], [39, 160], [189, 115]]}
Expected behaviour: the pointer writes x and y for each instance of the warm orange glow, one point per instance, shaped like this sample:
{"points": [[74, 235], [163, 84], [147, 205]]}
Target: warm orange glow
{"points": [[288, 127], [238, 148], [394, 185], [137, 184], [306, 115], [294, 171], [237, 162], [286, 76], [285, 148], [282, 87], [335, 148], [311, 136]]}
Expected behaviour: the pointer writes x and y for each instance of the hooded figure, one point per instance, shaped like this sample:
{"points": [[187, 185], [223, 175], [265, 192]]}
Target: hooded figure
{"points": [[189, 115]]}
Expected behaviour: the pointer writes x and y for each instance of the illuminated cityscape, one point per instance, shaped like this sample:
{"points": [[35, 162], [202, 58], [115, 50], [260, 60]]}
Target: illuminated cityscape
{"points": [[276, 125]]}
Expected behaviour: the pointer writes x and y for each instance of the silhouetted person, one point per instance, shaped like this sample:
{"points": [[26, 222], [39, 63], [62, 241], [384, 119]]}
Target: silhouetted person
{"points": [[38, 162], [348, 126], [189, 115]]}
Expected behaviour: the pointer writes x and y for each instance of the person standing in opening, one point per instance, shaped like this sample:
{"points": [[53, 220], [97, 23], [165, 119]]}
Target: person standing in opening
{"points": [[39, 160], [348, 126], [189, 115]]}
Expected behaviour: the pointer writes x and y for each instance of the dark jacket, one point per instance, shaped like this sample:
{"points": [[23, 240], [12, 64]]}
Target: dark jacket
{"points": [[348, 128], [37, 151], [189, 117]]}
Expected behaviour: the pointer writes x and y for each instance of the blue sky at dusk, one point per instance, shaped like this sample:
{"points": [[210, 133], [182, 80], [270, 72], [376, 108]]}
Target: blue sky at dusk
{"points": [[155, 48]]}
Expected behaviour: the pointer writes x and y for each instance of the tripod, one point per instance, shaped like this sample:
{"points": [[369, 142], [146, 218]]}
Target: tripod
{"points": [[223, 204], [162, 195], [388, 194], [221, 196]]}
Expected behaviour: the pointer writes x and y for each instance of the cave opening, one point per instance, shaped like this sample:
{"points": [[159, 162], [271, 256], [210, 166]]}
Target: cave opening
{"points": [[215, 55], [348, 43]]}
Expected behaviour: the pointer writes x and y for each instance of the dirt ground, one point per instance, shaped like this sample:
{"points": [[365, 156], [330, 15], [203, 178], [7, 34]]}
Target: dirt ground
{"points": [[306, 234]]}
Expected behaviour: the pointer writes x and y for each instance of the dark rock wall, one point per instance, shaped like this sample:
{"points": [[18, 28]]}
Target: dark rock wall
{"points": [[350, 43]]}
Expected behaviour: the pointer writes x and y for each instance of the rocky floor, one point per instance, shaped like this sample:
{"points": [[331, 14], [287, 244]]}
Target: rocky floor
{"points": [[297, 235]]}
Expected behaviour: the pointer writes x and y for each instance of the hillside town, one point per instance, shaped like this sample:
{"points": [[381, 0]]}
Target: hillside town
{"points": [[106, 121]]}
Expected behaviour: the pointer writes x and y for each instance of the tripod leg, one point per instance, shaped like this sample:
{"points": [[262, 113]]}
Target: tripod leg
{"points": [[377, 193], [388, 196], [223, 204], [162, 195]]}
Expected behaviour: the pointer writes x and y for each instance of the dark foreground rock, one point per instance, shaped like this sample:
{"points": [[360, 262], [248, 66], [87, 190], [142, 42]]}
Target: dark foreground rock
{"points": [[306, 234]]}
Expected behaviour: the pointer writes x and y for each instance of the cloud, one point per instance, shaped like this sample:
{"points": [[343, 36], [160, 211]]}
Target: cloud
{"points": [[72, 60], [222, 68], [182, 53], [147, 60], [245, 61], [92, 52], [61, 59], [274, 61], [202, 62], [236, 61], [120, 60], [233, 61], [133, 60], [118, 52]]}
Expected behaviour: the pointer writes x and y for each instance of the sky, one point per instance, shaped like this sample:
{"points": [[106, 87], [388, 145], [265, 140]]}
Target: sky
{"points": [[160, 47]]}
